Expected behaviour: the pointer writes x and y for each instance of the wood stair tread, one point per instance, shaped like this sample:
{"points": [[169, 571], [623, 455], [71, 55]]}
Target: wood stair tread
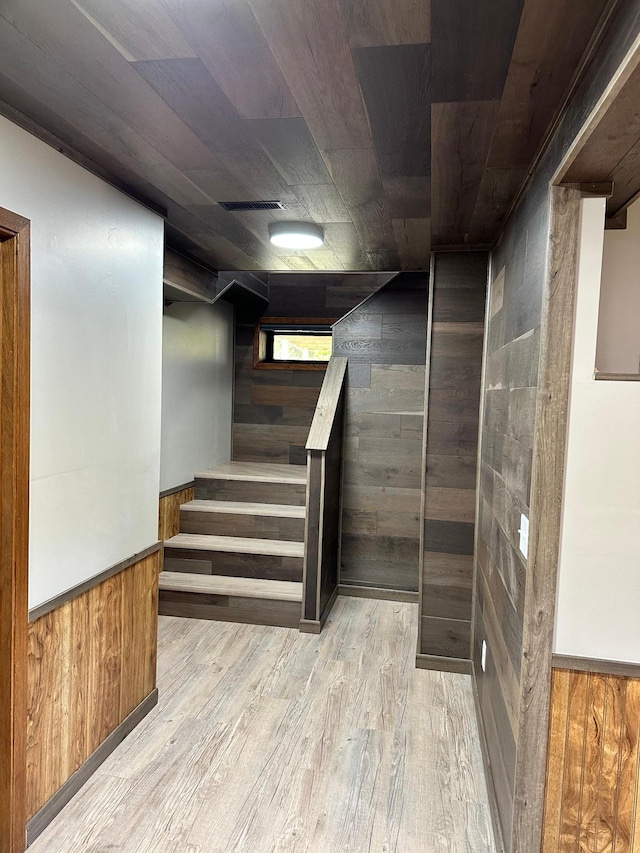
{"points": [[245, 508], [235, 545], [229, 586], [260, 472]]}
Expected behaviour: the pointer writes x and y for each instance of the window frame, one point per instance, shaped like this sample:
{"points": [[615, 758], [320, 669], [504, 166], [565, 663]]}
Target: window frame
{"points": [[262, 360]]}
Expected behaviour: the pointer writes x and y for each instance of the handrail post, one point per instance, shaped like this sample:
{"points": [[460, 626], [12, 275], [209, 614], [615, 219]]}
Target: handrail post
{"points": [[323, 509]]}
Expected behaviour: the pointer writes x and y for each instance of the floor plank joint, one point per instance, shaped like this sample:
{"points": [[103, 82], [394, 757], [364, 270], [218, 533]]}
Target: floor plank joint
{"points": [[268, 739]]}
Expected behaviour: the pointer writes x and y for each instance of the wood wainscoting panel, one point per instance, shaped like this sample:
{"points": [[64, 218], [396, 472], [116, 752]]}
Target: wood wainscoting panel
{"points": [[90, 663], [593, 779], [169, 512]]}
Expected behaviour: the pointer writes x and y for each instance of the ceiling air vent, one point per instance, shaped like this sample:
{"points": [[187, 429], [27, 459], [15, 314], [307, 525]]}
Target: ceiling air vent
{"points": [[251, 205]]}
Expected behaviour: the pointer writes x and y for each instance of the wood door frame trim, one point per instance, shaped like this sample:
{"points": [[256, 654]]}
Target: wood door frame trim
{"points": [[15, 282], [547, 487], [547, 479]]}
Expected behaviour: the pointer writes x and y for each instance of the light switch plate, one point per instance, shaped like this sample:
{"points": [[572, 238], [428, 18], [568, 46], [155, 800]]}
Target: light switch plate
{"points": [[524, 535]]}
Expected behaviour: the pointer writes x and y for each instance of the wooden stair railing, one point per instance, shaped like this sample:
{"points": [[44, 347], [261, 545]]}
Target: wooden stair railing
{"points": [[323, 503]]}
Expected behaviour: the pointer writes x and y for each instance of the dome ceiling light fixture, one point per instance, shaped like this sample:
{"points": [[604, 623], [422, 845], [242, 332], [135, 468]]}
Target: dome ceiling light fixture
{"points": [[296, 235]]}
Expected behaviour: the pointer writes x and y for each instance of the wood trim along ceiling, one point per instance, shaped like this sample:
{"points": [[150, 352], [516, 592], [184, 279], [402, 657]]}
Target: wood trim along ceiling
{"points": [[15, 289], [185, 279]]}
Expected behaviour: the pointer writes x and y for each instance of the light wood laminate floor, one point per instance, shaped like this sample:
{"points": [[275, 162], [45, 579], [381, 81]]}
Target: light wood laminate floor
{"points": [[267, 740]]}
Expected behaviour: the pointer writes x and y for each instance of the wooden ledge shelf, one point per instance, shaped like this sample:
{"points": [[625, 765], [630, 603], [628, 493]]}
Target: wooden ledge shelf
{"points": [[617, 377]]}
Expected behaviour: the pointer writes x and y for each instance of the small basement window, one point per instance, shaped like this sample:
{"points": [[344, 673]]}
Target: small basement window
{"points": [[283, 343]]}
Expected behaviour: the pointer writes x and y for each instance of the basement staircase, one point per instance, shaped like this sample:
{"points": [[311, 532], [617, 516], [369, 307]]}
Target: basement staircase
{"points": [[239, 554]]}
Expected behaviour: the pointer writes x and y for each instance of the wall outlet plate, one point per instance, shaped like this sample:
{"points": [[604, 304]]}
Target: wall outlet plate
{"points": [[524, 535], [483, 660]]}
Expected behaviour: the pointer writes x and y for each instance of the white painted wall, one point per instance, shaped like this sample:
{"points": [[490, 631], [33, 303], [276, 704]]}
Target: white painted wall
{"points": [[619, 323], [96, 275], [599, 572], [197, 389]]}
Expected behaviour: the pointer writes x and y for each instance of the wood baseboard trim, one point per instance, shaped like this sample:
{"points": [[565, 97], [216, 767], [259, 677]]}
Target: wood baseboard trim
{"points": [[486, 763], [329, 607], [175, 489], [443, 664], [75, 591], [379, 593], [603, 667], [54, 806], [312, 626]]}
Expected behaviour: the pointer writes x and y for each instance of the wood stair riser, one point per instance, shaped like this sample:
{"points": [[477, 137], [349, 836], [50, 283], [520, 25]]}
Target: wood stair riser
{"points": [[249, 526], [262, 566], [212, 489], [239, 554], [226, 608]]}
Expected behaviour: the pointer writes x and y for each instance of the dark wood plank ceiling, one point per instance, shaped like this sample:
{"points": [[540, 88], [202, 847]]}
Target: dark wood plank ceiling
{"points": [[501, 69], [321, 104]]}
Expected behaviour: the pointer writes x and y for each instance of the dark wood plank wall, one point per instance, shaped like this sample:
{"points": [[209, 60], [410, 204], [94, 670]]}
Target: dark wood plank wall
{"points": [[385, 342], [320, 294], [518, 270], [273, 409], [505, 479], [91, 662], [593, 766], [452, 412]]}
